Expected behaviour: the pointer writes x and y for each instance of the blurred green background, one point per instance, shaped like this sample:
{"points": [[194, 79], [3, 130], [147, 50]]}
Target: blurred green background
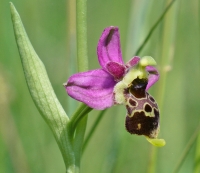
{"points": [[26, 142]]}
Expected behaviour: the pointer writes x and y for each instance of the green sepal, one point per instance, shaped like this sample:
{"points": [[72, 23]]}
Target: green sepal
{"points": [[42, 92]]}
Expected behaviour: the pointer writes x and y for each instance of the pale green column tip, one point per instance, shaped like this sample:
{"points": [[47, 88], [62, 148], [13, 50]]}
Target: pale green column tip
{"points": [[147, 60]]}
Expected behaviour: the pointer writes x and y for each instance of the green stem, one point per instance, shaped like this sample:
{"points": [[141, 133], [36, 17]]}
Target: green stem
{"points": [[76, 122], [78, 141], [78, 111], [154, 27], [81, 25], [71, 47], [77, 116], [77, 129], [73, 118], [80, 116], [187, 149]]}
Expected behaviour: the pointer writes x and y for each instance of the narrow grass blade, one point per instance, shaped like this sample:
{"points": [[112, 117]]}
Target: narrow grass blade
{"points": [[187, 149], [153, 28]]}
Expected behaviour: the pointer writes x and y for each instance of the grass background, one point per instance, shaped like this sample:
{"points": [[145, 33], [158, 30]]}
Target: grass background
{"points": [[26, 143]]}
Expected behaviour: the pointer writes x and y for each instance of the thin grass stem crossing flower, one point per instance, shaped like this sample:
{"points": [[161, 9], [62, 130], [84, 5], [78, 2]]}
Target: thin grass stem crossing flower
{"points": [[119, 83]]}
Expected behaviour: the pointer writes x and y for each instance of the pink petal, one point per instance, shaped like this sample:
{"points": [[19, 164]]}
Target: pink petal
{"points": [[153, 76], [132, 62], [108, 49], [115, 69], [94, 88]]}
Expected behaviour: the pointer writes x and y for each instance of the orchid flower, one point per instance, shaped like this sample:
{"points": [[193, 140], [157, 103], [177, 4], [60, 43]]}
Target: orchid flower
{"points": [[119, 83]]}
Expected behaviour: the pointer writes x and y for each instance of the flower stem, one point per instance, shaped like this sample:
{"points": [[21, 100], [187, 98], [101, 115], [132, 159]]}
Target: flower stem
{"points": [[77, 122], [78, 141], [71, 47], [78, 111], [81, 112], [81, 25]]}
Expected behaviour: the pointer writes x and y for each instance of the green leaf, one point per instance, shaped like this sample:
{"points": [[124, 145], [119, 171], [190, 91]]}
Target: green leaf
{"points": [[42, 92]]}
